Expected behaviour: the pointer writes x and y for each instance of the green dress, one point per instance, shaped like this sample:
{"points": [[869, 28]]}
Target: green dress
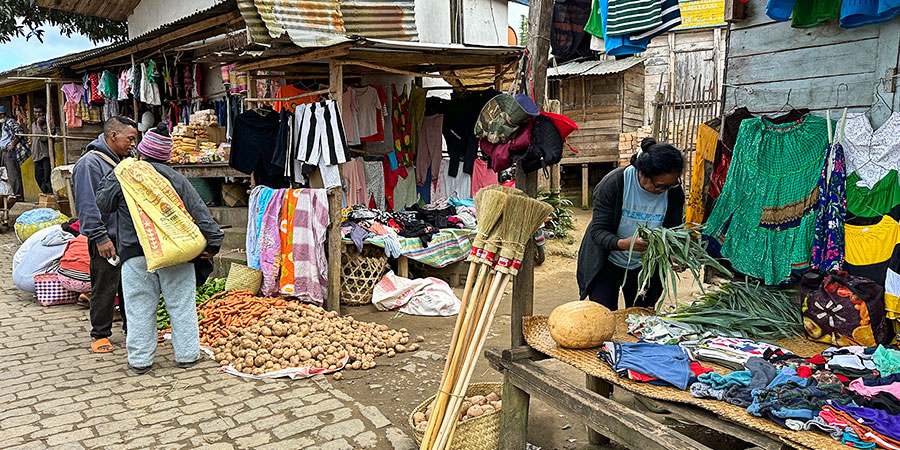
{"points": [[809, 13], [764, 219], [875, 202]]}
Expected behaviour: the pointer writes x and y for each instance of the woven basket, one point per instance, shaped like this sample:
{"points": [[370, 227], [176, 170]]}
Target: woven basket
{"points": [[479, 433], [243, 277], [50, 292], [359, 275]]}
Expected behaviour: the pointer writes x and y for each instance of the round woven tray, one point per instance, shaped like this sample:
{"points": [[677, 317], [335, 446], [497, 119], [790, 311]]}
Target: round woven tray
{"points": [[478, 433], [359, 275], [538, 336]]}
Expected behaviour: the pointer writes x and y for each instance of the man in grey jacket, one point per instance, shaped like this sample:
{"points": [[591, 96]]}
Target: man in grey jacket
{"points": [[117, 141], [176, 283]]}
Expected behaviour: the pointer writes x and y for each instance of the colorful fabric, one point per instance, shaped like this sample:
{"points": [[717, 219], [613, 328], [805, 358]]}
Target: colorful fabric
{"points": [[270, 244], [763, 220], [9, 129], [858, 386], [845, 310], [707, 137], [632, 16], [310, 263], [872, 249], [828, 241], [872, 153], [445, 248], [402, 128], [288, 209], [886, 360], [254, 219], [881, 199], [878, 421], [811, 13]]}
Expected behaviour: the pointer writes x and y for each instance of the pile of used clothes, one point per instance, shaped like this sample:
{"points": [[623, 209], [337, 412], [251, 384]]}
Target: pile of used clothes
{"points": [[851, 393], [422, 222]]}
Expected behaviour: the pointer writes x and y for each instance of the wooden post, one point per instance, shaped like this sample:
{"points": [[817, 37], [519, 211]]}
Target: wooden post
{"points": [[585, 188], [603, 388], [658, 101], [514, 417], [62, 124], [498, 79], [333, 237], [49, 110]]}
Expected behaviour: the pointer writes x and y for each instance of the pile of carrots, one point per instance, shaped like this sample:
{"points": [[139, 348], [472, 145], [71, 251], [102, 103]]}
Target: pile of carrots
{"points": [[234, 308]]}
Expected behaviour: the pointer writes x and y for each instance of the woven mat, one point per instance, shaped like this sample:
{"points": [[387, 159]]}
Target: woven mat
{"points": [[538, 336]]}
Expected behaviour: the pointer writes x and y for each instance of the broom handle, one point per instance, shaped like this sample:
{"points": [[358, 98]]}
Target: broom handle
{"points": [[451, 366], [494, 296]]}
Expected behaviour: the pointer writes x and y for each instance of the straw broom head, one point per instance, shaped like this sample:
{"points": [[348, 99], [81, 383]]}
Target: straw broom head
{"points": [[493, 204], [524, 215]]}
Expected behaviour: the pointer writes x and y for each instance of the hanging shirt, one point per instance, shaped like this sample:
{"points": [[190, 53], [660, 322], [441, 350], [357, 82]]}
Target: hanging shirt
{"points": [[639, 208], [348, 115], [482, 177], [632, 16], [368, 112], [355, 182], [288, 91]]}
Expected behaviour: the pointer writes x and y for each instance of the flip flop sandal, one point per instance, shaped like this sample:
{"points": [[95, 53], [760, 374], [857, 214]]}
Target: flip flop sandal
{"points": [[139, 370], [188, 365], [102, 346]]}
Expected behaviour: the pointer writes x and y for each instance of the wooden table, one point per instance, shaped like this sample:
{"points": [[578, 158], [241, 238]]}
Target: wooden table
{"points": [[211, 170]]}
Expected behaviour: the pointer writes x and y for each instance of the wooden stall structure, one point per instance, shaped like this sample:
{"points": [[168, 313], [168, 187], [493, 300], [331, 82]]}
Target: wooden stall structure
{"points": [[605, 98]]}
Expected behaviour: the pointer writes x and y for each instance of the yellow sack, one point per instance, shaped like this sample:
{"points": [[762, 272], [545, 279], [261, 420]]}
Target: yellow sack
{"points": [[166, 231]]}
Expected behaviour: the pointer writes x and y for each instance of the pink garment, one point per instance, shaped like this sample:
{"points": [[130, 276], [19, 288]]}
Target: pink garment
{"points": [[70, 109], [348, 115], [310, 265], [74, 93], [429, 152], [355, 179], [270, 244], [482, 176], [859, 387]]}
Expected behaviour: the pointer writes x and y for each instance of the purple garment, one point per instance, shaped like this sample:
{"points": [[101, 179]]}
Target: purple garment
{"points": [[828, 241], [358, 234], [876, 419], [270, 244], [310, 265]]}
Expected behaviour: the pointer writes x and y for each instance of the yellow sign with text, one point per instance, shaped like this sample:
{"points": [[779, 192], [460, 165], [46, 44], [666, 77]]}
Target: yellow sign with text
{"points": [[701, 13]]}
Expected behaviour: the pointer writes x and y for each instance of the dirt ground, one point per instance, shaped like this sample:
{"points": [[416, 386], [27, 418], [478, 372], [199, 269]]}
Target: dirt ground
{"points": [[414, 377]]}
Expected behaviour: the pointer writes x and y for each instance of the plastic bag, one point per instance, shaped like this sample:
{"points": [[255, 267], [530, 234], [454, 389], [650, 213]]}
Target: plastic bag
{"points": [[35, 220], [166, 231], [422, 296]]}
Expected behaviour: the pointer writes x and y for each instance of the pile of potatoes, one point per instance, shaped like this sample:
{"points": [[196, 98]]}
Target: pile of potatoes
{"points": [[472, 407], [309, 337]]}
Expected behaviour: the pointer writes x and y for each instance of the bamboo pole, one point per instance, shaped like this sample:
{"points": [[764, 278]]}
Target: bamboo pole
{"points": [[49, 110]]}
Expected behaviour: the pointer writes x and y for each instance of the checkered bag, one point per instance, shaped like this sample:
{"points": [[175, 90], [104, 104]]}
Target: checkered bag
{"points": [[50, 291]]}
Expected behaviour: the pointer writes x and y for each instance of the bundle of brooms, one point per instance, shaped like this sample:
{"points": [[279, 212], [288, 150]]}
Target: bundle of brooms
{"points": [[507, 219]]}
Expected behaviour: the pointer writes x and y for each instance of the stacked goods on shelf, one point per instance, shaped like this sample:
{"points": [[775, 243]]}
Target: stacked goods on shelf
{"points": [[198, 142], [204, 118], [507, 223]]}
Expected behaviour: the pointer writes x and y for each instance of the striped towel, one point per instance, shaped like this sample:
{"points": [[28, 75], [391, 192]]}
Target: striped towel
{"points": [[447, 247], [671, 18], [633, 16]]}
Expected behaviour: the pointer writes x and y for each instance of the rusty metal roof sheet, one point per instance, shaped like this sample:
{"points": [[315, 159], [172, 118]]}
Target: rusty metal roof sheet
{"points": [[308, 23], [112, 9], [594, 67], [380, 19]]}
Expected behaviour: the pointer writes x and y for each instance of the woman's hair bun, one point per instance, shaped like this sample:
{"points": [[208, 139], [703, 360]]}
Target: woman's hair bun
{"points": [[162, 129], [647, 143]]}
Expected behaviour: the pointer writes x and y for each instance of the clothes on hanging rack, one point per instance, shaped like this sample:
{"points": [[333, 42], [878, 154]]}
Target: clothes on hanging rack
{"points": [[707, 136], [763, 219], [253, 146], [370, 111], [402, 128], [319, 139]]}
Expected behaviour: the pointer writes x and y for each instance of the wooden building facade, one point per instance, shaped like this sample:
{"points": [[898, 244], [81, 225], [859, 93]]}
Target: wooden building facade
{"points": [[605, 98]]}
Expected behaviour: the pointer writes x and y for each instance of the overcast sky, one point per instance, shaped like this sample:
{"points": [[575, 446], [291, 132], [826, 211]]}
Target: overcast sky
{"points": [[20, 52]]}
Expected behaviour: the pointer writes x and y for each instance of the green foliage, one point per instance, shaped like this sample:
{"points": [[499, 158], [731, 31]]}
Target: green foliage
{"points": [[18, 18], [745, 307], [561, 219], [523, 30]]}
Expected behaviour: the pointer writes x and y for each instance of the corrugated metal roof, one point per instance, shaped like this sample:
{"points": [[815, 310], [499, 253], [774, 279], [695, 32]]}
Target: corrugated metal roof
{"points": [[594, 67], [256, 28], [380, 19], [110, 9]]}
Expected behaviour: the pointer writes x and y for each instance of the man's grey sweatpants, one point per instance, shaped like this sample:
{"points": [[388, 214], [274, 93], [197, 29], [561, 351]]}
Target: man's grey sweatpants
{"points": [[177, 284]]}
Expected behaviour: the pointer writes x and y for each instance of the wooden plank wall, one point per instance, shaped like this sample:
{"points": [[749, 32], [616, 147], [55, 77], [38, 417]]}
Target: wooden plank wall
{"points": [[597, 109], [682, 54], [633, 92], [773, 58]]}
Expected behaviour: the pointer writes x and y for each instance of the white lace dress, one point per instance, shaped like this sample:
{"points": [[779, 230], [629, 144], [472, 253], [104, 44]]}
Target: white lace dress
{"points": [[872, 153]]}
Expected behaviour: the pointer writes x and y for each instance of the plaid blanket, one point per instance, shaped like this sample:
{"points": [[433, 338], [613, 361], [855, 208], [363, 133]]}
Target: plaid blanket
{"points": [[445, 248]]}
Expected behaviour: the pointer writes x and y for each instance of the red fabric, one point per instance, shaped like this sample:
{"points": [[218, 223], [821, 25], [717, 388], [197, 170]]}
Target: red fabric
{"points": [[842, 378], [390, 182], [564, 124], [696, 368], [804, 372], [75, 256], [818, 359], [379, 137]]}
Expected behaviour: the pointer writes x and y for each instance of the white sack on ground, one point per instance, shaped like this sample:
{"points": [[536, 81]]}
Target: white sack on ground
{"points": [[422, 296]]}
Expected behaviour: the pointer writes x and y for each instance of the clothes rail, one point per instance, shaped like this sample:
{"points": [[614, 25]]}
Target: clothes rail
{"points": [[287, 99]]}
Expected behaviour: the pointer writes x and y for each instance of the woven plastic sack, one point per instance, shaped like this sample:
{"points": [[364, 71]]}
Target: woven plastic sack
{"points": [[36, 220], [50, 291], [166, 231]]}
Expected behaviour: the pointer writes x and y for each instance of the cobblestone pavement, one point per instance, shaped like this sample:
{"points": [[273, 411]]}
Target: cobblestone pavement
{"points": [[55, 393]]}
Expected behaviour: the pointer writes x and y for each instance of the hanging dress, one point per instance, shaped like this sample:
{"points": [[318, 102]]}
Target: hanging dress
{"points": [[402, 128], [764, 218], [828, 242]]}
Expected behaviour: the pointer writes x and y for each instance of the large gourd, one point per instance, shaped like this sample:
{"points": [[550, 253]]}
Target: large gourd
{"points": [[581, 324]]}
